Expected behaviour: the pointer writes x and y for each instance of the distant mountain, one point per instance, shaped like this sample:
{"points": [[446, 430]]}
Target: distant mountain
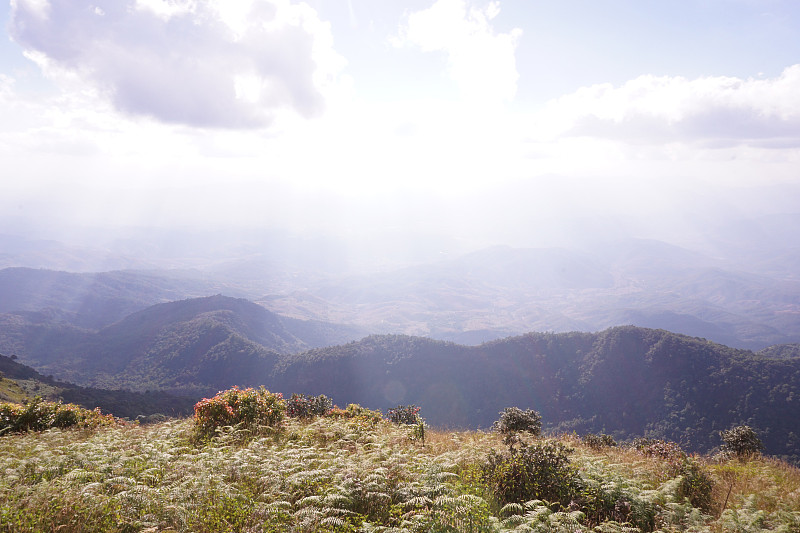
{"points": [[503, 291], [188, 345], [626, 381], [94, 300], [738, 285], [121, 403], [781, 351]]}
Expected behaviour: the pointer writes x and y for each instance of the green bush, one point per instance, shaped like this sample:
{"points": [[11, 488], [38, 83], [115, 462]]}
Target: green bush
{"points": [[514, 421], [38, 415], [599, 441], [696, 485], [538, 471], [741, 441], [250, 408], [303, 406]]}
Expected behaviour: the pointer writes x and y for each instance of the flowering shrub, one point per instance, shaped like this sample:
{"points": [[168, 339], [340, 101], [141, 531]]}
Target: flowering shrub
{"points": [[302, 406], [404, 414], [250, 408], [357, 415], [659, 448], [38, 415]]}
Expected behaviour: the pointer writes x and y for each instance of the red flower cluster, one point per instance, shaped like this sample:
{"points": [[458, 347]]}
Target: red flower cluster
{"points": [[249, 407]]}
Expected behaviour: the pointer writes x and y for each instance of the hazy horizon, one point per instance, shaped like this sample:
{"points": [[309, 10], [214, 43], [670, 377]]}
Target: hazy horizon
{"points": [[475, 123]]}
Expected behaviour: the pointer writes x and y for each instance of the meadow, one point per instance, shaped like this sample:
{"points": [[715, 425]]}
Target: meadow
{"points": [[351, 470]]}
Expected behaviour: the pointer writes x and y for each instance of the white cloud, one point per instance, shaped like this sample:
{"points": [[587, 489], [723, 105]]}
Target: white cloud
{"points": [[712, 111], [166, 9], [183, 61], [480, 61]]}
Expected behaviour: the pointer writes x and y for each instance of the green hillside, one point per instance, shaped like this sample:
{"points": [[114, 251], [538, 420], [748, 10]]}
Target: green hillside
{"points": [[624, 381], [20, 383]]}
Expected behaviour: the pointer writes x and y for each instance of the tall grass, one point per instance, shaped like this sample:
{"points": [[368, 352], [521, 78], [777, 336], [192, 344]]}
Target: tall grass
{"points": [[349, 474]]}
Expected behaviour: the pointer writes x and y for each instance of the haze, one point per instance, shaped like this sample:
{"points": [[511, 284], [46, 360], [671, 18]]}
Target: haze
{"points": [[353, 137]]}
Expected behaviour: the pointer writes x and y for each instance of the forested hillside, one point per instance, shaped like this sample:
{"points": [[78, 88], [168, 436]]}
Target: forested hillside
{"points": [[625, 381], [20, 383], [186, 346]]}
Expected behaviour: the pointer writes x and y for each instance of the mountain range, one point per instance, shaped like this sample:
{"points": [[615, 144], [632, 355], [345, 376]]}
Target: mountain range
{"points": [[645, 337], [625, 381]]}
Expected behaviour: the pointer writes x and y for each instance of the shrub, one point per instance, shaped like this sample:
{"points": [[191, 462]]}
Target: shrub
{"points": [[250, 408], [358, 415], [599, 441], [302, 406], [404, 414], [409, 415], [741, 441], [539, 471], [514, 421], [659, 448], [696, 485], [38, 415]]}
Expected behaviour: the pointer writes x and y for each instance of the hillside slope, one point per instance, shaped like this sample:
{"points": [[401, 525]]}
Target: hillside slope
{"points": [[94, 300], [626, 381], [21, 382], [188, 345]]}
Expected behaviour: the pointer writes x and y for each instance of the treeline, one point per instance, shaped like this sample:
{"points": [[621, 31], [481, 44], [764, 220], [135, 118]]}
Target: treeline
{"points": [[121, 403], [625, 381]]}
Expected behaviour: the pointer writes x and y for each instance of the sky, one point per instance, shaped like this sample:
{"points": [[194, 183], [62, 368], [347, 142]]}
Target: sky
{"points": [[496, 121]]}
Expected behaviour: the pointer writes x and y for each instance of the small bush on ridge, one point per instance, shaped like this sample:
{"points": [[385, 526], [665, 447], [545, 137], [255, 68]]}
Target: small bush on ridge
{"points": [[404, 414], [38, 415], [249, 407], [303, 406], [599, 441], [741, 441], [514, 421]]}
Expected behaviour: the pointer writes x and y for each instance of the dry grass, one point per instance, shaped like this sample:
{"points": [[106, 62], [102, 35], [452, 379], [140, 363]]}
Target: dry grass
{"points": [[338, 475]]}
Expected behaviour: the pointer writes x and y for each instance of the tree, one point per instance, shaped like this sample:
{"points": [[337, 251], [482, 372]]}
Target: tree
{"points": [[514, 421], [741, 441]]}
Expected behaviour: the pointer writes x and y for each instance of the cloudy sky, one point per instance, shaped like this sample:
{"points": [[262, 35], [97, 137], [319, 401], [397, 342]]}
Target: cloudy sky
{"points": [[488, 119]]}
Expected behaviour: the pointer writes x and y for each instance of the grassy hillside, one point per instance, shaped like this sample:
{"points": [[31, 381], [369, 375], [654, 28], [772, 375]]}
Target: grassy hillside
{"points": [[20, 383], [350, 474], [624, 381]]}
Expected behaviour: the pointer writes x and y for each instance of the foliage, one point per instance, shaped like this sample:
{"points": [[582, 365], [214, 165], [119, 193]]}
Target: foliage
{"points": [[540, 470], [663, 384], [38, 415], [741, 441], [250, 408], [336, 474], [514, 421], [303, 406], [598, 441], [408, 415], [658, 448], [696, 485], [404, 414]]}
